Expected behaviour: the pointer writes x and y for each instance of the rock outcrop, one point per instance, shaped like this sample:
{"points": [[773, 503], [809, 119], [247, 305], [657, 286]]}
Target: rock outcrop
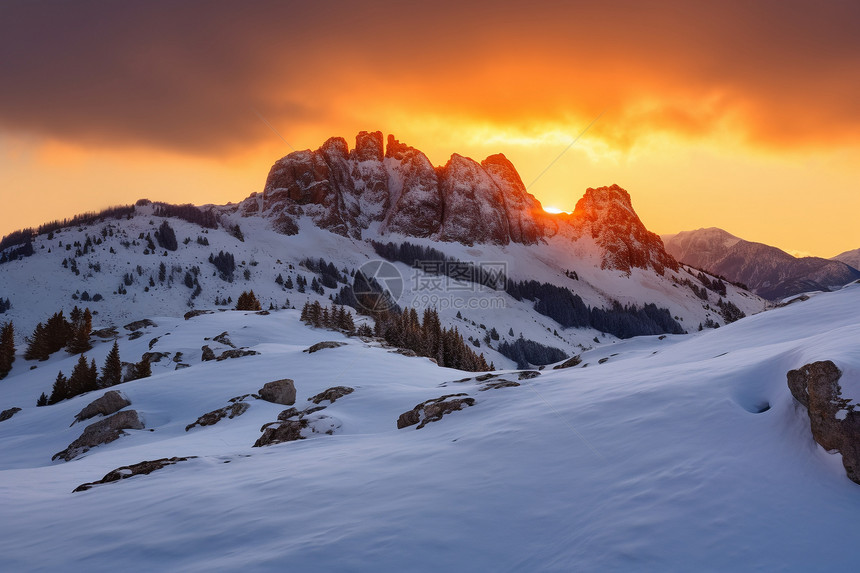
{"points": [[433, 410], [109, 403], [293, 425], [279, 392], [323, 345], [101, 432], [331, 394], [833, 419], [6, 414], [141, 468], [236, 408]]}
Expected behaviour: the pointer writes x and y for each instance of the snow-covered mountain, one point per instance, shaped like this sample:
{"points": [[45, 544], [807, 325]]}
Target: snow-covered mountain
{"points": [[767, 271], [333, 204], [656, 453], [851, 258]]}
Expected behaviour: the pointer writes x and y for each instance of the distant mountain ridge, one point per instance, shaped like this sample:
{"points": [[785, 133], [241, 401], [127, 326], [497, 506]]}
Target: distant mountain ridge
{"points": [[851, 258], [768, 271]]}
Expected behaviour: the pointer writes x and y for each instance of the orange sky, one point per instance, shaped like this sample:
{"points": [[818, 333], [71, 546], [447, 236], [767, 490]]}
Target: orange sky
{"points": [[742, 117]]}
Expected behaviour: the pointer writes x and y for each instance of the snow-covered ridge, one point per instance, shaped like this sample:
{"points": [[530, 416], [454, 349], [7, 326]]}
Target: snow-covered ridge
{"points": [[656, 452]]}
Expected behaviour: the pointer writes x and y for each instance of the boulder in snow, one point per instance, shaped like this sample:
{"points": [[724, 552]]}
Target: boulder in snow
{"points": [[279, 392], [101, 432], [112, 401], [834, 422]]}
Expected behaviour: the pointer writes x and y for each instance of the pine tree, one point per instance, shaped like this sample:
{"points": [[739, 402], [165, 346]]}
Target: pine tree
{"points": [[248, 301], [79, 341], [38, 345], [7, 349], [92, 379], [78, 380], [142, 369], [43, 400], [60, 391], [112, 370]]}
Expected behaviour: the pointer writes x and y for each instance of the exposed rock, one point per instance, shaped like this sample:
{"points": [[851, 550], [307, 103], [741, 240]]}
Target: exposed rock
{"points": [[498, 384], [279, 432], [294, 425], [603, 360], [106, 333], [177, 357], [6, 414], [236, 353], [323, 345], [112, 401], [182, 366], [135, 335], [433, 410], [332, 394], [192, 313], [569, 363], [210, 418], [140, 468], [153, 342], [101, 432], [153, 357], [208, 354], [224, 339], [834, 421], [405, 352], [606, 215], [287, 414], [279, 392], [528, 374], [138, 324]]}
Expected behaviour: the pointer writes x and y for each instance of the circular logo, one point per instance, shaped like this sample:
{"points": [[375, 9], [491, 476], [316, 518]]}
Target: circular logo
{"points": [[377, 285]]}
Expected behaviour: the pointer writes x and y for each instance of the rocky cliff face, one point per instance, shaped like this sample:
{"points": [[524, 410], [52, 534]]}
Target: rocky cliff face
{"points": [[606, 215], [397, 187]]}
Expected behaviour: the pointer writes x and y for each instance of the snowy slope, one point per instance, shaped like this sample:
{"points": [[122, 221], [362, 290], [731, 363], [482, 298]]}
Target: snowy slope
{"points": [[651, 460]]}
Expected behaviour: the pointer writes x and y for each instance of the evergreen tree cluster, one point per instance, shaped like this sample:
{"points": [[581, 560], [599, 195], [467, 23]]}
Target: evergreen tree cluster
{"points": [[248, 301], [85, 377], [729, 311], [5, 304], [225, 263], [569, 310], [26, 235], [189, 213], [328, 273], [434, 261], [16, 253], [7, 349], [166, 237], [58, 333], [334, 317], [528, 352], [427, 338]]}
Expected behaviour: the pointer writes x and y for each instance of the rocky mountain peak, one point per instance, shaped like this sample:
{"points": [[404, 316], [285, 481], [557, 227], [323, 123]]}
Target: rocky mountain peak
{"points": [[606, 215], [368, 146], [463, 201]]}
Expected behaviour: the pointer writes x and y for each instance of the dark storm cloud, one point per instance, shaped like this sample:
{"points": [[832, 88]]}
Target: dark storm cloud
{"points": [[188, 76]]}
